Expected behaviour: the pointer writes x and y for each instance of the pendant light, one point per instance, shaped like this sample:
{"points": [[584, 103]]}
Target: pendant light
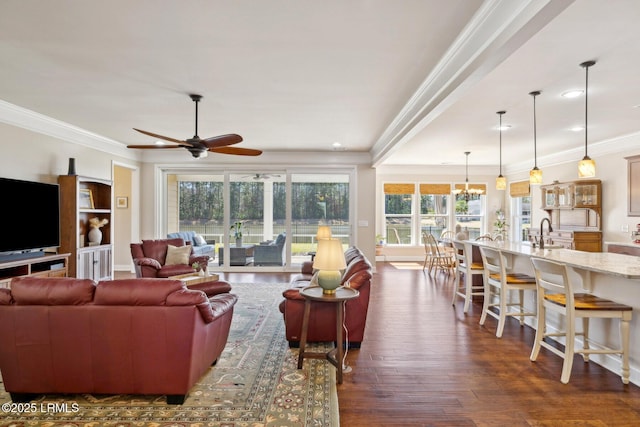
{"points": [[586, 166], [535, 174], [467, 192], [501, 181]]}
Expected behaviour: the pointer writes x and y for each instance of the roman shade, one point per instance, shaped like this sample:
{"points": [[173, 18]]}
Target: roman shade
{"points": [[519, 189]]}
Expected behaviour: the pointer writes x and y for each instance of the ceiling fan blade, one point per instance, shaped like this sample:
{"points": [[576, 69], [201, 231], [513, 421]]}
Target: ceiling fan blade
{"points": [[237, 151], [221, 140], [155, 146], [166, 138]]}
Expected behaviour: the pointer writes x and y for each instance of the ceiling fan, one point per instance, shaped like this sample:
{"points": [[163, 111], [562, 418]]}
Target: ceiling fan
{"points": [[198, 147], [262, 176]]}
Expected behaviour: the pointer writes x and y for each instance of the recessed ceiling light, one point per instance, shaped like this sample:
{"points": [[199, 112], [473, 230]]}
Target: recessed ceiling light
{"points": [[158, 142], [503, 127], [577, 129], [336, 145], [574, 93]]}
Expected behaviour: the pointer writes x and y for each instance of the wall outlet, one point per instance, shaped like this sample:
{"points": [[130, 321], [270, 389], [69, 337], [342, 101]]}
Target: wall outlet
{"points": [[625, 228]]}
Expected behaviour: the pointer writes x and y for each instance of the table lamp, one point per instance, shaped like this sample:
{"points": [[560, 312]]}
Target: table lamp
{"points": [[329, 261], [324, 232]]}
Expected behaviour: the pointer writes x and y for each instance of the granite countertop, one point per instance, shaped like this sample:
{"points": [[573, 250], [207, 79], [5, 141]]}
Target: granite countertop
{"points": [[630, 244], [602, 262]]}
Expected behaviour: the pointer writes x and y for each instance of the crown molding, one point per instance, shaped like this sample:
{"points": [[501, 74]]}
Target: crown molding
{"points": [[35, 122]]}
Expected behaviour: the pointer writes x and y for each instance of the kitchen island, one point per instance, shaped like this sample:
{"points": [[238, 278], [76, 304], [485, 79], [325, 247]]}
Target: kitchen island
{"points": [[608, 275]]}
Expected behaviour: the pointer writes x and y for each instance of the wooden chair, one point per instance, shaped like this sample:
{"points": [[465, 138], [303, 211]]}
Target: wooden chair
{"points": [[436, 257], [463, 252], [484, 237], [447, 234], [498, 284], [556, 295]]}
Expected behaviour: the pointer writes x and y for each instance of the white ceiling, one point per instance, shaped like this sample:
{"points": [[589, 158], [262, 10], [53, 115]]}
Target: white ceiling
{"points": [[412, 82]]}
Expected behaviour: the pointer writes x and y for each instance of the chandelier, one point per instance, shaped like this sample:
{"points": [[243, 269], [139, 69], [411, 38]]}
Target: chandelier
{"points": [[467, 192]]}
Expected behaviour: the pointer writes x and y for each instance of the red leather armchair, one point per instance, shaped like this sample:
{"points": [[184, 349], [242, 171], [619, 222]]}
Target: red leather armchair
{"points": [[322, 318], [149, 258], [66, 335]]}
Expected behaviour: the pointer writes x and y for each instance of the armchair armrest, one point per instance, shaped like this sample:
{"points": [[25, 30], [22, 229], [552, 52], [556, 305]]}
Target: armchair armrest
{"points": [[307, 267], [293, 294], [200, 259], [147, 262]]}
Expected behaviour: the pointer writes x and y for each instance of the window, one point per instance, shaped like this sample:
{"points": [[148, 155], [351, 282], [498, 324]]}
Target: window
{"points": [[470, 209], [434, 208], [319, 199], [520, 210], [398, 213]]}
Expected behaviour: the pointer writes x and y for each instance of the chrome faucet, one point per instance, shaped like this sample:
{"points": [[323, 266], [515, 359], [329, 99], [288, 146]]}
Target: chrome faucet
{"points": [[541, 233]]}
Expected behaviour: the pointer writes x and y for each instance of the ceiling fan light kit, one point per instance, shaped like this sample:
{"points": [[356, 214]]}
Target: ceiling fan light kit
{"points": [[199, 148]]}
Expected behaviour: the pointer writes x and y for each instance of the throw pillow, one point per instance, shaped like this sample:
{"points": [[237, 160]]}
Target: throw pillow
{"points": [[199, 240], [178, 255]]}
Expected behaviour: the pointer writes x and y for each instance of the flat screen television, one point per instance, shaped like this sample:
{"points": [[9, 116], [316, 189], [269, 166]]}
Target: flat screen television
{"points": [[30, 217]]}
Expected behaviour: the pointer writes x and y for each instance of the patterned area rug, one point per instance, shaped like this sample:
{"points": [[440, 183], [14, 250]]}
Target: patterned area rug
{"points": [[255, 383]]}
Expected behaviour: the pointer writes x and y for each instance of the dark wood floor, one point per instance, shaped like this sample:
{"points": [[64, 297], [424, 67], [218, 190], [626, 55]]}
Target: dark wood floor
{"points": [[425, 363]]}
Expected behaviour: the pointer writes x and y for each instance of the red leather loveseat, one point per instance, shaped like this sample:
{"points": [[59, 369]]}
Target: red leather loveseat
{"points": [[133, 336], [322, 318]]}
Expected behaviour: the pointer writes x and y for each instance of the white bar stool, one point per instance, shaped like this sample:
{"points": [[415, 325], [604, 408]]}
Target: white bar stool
{"points": [[556, 294], [498, 284], [464, 256]]}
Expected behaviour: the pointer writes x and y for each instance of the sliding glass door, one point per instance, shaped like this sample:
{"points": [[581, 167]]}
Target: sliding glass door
{"points": [[266, 219]]}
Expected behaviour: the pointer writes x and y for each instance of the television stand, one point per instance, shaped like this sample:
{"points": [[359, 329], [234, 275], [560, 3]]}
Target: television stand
{"points": [[41, 265], [17, 256]]}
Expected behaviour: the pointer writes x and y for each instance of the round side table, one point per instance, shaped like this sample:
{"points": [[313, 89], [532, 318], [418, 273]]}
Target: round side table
{"points": [[314, 293]]}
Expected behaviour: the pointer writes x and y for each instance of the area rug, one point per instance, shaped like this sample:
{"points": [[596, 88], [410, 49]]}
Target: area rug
{"points": [[255, 383]]}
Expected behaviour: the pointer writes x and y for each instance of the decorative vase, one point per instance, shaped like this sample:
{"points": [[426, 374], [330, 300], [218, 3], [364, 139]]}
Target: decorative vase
{"points": [[238, 242], [95, 236], [72, 166]]}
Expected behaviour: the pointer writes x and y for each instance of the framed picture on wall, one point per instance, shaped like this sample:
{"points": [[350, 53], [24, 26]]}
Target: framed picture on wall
{"points": [[122, 202], [85, 199]]}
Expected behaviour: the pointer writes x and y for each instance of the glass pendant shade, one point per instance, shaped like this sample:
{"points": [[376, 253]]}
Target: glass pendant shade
{"points": [[535, 175], [586, 166], [501, 181]]}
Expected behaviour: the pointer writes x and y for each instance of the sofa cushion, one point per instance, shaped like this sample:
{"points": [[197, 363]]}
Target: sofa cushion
{"points": [[53, 291], [129, 291], [280, 239], [198, 240], [177, 255]]}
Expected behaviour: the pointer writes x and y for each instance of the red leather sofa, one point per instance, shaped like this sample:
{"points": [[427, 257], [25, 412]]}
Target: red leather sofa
{"points": [[149, 261], [133, 336], [322, 318]]}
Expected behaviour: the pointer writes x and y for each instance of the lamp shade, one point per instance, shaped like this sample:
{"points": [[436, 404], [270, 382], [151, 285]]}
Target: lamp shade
{"points": [[535, 176], [501, 183], [586, 168], [324, 232], [329, 261], [329, 255]]}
